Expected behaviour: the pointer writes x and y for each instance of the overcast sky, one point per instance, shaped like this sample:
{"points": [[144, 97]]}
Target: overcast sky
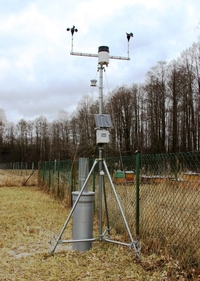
{"points": [[39, 77]]}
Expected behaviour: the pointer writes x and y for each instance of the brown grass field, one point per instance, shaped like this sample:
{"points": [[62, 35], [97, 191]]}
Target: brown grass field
{"points": [[29, 218]]}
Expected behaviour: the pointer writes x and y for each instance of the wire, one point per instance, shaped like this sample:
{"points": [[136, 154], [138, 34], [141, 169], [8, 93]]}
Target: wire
{"points": [[84, 121], [112, 114]]}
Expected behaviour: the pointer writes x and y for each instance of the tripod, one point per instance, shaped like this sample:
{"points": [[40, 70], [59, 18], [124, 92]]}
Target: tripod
{"points": [[133, 245]]}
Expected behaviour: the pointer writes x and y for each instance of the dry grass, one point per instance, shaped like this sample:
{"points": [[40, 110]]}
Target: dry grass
{"points": [[28, 219], [18, 178]]}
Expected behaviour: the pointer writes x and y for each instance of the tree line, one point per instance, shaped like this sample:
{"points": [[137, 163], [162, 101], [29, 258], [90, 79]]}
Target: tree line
{"points": [[161, 115]]}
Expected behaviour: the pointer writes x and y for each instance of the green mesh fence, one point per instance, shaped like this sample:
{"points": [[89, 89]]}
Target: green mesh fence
{"points": [[169, 210], [19, 168], [169, 204], [58, 178]]}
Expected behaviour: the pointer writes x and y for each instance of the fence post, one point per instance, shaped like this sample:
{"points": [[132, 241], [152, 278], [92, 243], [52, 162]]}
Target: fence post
{"points": [[44, 170], [137, 175], [49, 176], [72, 180], [93, 178], [58, 186], [38, 175]]}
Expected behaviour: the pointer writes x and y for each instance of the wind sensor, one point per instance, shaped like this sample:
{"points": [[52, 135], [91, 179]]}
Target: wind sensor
{"points": [[103, 51], [103, 124]]}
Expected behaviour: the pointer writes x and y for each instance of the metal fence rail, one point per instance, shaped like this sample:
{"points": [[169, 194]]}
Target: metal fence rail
{"points": [[168, 197]]}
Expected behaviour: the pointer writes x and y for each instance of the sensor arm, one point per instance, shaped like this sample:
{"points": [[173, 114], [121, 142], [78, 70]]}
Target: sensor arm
{"points": [[119, 58], [73, 29], [84, 54], [96, 56]]}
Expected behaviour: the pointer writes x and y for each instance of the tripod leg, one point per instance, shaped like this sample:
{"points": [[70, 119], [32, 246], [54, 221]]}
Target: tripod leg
{"points": [[101, 174], [118, 202], [106, 206], [73, 208]]}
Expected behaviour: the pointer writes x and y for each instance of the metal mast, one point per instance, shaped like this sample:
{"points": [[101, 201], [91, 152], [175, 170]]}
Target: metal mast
{"points": [[103, 123]]}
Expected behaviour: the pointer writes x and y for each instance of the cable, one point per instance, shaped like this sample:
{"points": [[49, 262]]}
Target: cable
{"points": [[82, 127], [112, 114]]}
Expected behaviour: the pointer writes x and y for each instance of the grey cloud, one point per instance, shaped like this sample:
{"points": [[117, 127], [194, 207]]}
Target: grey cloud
{"points": [[41, 78]]}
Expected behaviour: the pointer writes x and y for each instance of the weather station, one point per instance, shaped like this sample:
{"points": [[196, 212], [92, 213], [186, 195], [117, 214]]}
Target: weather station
{"points": [[83, 200]]}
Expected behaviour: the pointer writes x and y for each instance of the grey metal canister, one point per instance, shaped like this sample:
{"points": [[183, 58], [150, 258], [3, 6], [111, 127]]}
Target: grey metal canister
{"points": [[83, 220]]}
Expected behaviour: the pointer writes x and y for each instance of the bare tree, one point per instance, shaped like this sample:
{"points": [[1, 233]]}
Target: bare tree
{"points": [[188, 123], [2, 127], [156, 88], [121, 104], [42, 138], [174, 95]]}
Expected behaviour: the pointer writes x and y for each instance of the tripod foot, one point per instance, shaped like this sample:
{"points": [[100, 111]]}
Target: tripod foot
{"points": [[136, 247]]}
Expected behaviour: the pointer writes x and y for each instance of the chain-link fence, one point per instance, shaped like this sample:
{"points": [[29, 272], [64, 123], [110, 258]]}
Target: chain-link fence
{"points": [[163, 209], [19, 168], [58, 178], [168, 199], [169, 205]]}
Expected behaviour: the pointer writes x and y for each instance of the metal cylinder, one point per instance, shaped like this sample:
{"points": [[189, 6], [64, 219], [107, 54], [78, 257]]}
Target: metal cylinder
{"points": [[82, 227], [103, 55], [83, 170]]}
